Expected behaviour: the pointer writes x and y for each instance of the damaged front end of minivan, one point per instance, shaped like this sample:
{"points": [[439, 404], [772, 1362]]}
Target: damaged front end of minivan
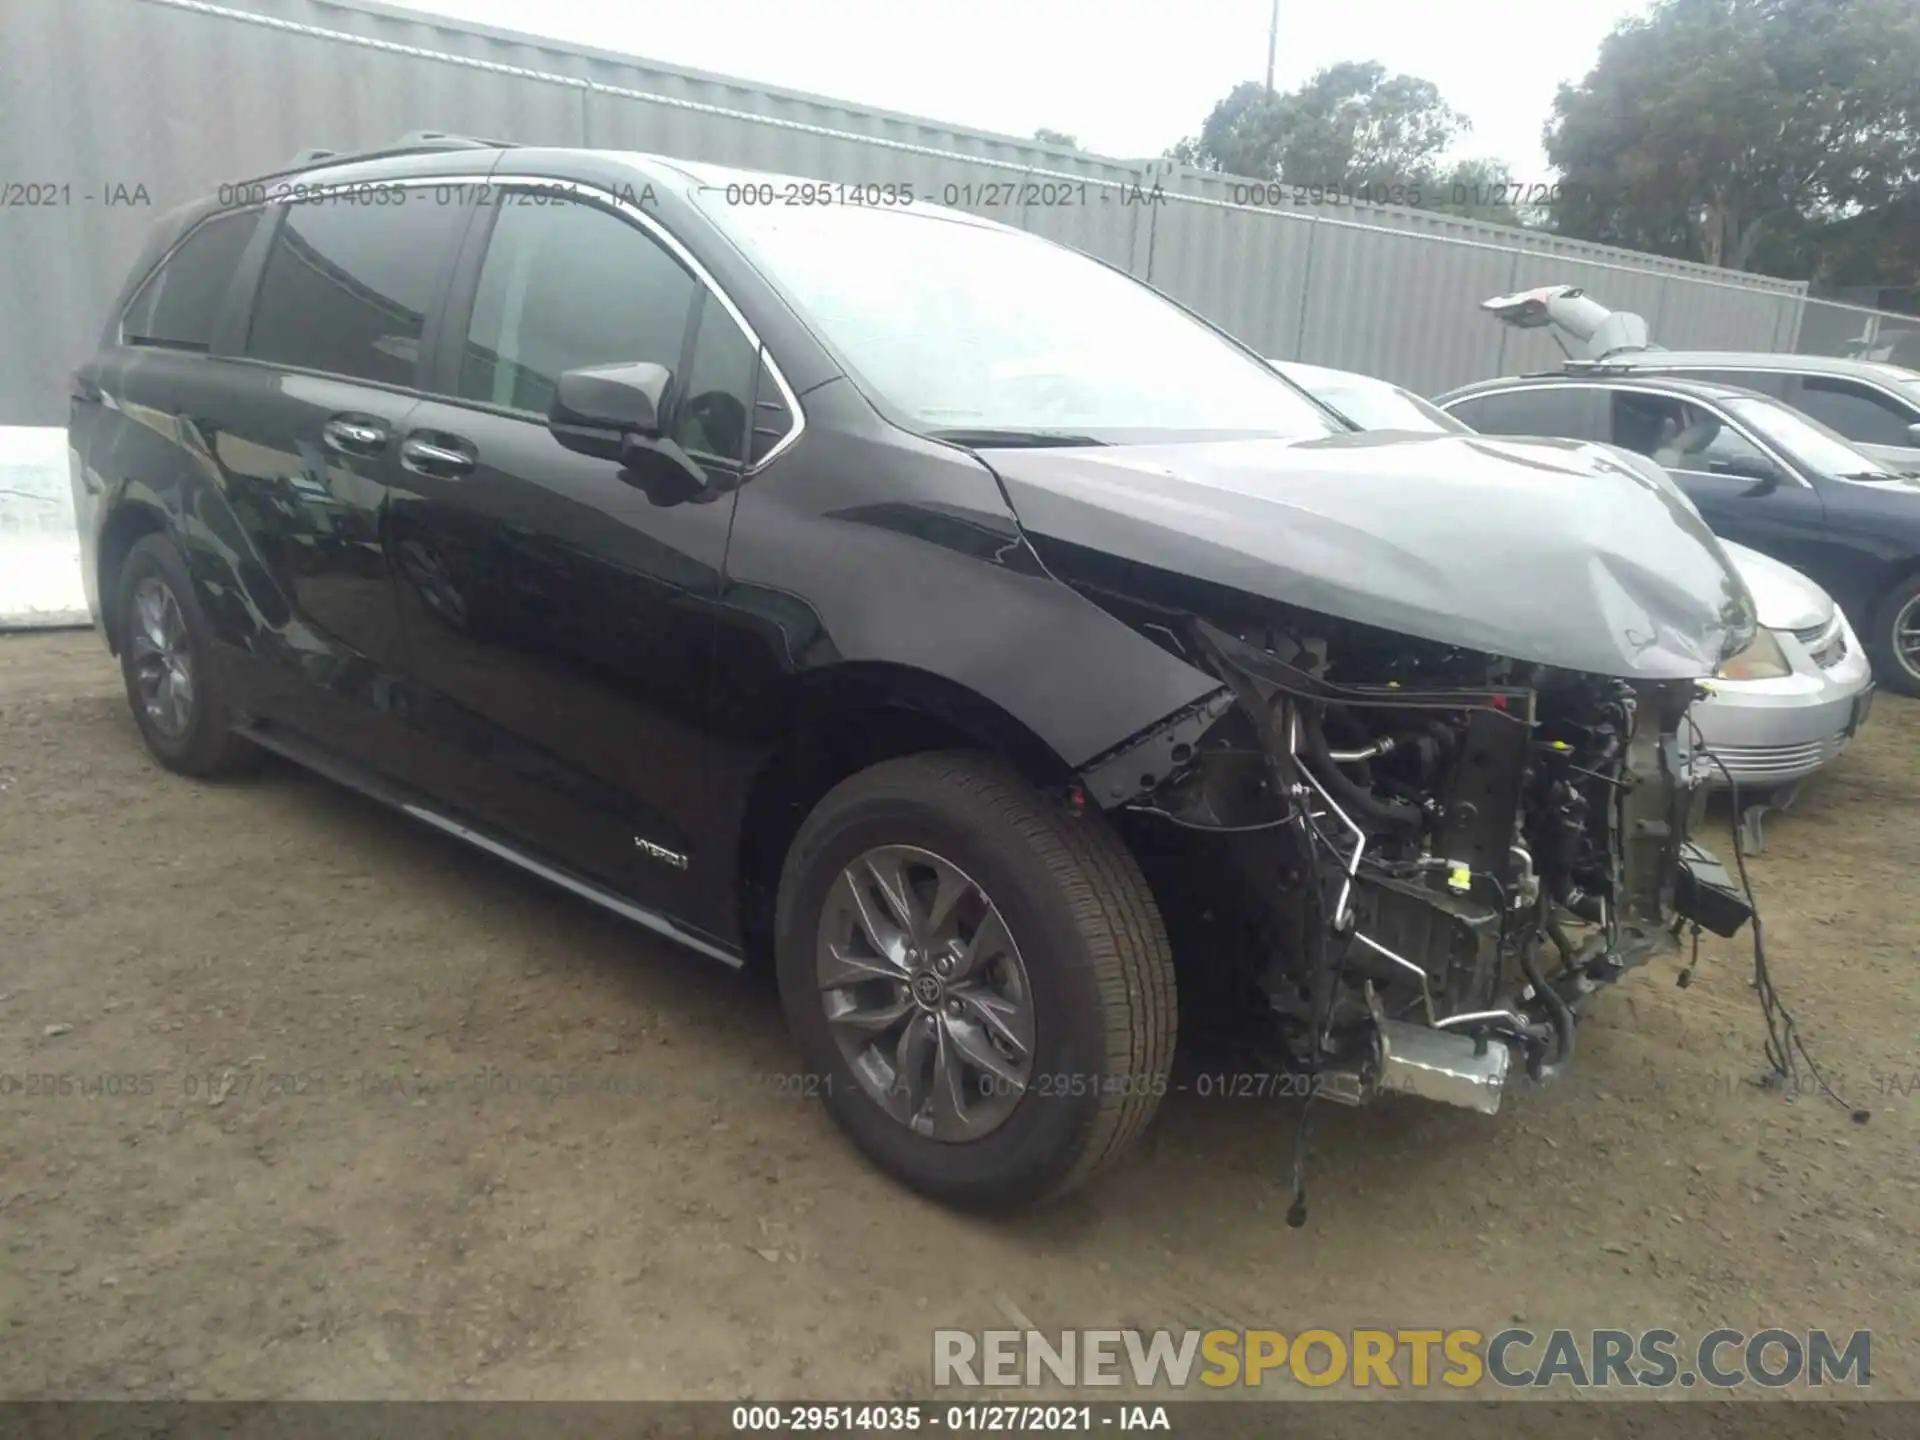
{"points": [[1414, 860], [1424, 861]]}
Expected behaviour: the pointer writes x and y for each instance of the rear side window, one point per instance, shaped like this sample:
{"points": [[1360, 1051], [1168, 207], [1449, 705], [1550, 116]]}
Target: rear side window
{"points": [[1558, 411], [180, 303], [1859, 412], [348, 287], [1767, 382], [567, 284]]}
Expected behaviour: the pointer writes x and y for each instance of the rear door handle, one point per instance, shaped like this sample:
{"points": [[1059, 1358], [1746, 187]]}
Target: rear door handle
{"points": [[352, 435], [447, 459]]}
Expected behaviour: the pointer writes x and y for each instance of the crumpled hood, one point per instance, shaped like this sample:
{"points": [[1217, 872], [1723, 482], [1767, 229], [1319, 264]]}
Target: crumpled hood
{"points": [[1550, 551]]}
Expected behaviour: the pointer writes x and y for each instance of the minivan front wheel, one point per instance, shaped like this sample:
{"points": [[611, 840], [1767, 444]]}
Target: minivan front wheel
{"points": [[1896, 641], [979, 979]]}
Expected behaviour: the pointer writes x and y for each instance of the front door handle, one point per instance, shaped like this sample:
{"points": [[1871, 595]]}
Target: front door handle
{"points": [[442, 461], [352, 435]]}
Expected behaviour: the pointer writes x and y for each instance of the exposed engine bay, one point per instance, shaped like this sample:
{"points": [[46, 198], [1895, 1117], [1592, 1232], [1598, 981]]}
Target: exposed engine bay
{"points": [[1413, 862]]}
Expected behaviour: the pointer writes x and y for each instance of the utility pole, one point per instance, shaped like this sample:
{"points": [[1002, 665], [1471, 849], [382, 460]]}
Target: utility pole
{"points": [[1273, 39]]}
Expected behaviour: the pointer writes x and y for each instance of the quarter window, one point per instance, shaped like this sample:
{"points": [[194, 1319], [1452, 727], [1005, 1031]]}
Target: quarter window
{"points": [[1767, 382], [1556, 411], [1860, 413], [717, 408], [348, 287], [180, 304]]}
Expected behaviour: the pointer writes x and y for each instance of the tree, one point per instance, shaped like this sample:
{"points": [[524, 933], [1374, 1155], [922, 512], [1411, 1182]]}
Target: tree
{"points": [[1353, 130], [1056, 137], [1728, 131], [1351, 126], [1479, 190]]}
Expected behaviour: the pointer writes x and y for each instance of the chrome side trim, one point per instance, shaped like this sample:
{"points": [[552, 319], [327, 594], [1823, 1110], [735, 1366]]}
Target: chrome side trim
{"points": [[659, 924], [606, 200]]}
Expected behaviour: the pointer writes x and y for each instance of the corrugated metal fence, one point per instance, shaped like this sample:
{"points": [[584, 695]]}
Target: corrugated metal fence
{"points": [[155, 101]]}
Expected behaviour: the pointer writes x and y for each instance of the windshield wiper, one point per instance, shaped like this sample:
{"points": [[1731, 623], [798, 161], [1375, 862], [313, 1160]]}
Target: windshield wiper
{"points": [[1012, 439], [1874, 475]]}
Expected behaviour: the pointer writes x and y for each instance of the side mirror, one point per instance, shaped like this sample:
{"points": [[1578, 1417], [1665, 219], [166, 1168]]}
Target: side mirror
{"points": [[1749, 467], [1913, 432], [615, 412], [624, 399]]}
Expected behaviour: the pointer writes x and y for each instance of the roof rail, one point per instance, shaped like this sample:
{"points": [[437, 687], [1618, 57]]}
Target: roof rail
{"points": [[412, 143], [1579, 367]]}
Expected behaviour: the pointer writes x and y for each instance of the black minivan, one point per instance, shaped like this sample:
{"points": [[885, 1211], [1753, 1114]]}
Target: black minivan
{"points": [[806, 571]]}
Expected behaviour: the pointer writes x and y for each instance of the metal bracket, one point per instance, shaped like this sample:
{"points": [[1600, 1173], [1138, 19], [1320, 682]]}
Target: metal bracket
{"points": [[1138, 765], [1753, 815]]}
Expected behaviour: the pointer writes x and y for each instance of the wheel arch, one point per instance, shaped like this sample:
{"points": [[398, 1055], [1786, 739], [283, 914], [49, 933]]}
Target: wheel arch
{"points": [[130, 522], [1879, 612], [1896, 574], [845, 719]]}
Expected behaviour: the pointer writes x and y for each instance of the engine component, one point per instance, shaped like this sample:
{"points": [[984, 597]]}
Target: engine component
{"points": [[1707, 895], [1440, 1065]]}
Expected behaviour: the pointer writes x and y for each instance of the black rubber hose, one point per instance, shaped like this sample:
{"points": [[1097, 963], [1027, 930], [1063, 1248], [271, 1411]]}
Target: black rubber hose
{"points": [[1562, 1015], [1583, 903], [1386, 812]]}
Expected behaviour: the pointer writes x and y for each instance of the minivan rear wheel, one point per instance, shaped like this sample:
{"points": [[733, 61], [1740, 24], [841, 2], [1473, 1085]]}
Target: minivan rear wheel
{"points": [[1896, 638], [978, 977], [166, 660]]}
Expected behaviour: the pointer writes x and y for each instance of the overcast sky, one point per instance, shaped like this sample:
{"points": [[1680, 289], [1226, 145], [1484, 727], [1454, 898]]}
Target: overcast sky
{"points": [[1128, 77]]}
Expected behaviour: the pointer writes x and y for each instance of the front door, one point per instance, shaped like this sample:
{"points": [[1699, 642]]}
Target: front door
{"points": [[560, 624], [1744, 492]]}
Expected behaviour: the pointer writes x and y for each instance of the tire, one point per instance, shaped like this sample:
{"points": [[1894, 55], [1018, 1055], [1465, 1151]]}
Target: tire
{"points": [[1086, 939], [190, 731], [1898, 612]]}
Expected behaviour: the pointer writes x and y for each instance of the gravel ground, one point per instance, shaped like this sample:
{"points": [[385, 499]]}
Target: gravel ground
{"points": [[356, 1112]]}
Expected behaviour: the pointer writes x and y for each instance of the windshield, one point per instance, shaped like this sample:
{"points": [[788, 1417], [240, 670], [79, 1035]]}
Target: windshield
{"points": [[961, 326], [1821, 450], [1380, 406]]}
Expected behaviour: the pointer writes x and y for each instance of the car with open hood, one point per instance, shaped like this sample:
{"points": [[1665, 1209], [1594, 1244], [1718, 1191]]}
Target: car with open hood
{"points": [[1782, 710], [1762, 473], [1006, 654], [1874, 404]]}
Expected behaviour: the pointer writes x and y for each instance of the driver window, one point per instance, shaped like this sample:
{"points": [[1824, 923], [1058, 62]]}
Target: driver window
{"points": [[1680, 436], [567, 284], [1726, 450]]}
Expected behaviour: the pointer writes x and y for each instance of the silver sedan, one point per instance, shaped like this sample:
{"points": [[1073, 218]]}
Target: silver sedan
{"points": [[1780, 711], [1789, 704]]}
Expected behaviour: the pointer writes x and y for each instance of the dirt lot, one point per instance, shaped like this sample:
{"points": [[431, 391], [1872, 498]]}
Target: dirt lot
{"points": [[395, 1121]]}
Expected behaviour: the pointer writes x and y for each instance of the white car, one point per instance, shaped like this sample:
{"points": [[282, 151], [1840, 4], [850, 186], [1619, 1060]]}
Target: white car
{"points": [[1780, 711]]}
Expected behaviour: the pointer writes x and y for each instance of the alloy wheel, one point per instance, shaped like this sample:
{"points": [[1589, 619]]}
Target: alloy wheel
{"points": [[162, 663], [925, 993], [1906, 637]]}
